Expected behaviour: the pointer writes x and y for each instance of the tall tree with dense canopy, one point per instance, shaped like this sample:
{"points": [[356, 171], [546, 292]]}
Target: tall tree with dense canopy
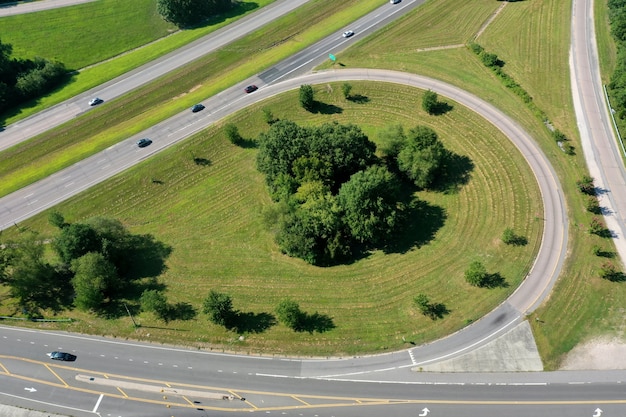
{"points": [[185, 13], [219, 307], [421, 156], [95, 281], [370, 203]]}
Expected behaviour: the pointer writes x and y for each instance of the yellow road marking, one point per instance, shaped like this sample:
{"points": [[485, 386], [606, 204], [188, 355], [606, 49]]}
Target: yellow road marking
{"points": [[57, 375], [122, 391], [298, 399], [6, 371], [188, 400]]}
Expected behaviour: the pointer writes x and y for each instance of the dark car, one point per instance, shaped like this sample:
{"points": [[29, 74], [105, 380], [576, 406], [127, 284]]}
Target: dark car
{"points": [[62, 356], [251, 88], [197, 107], [142, 143], [95, 101]]}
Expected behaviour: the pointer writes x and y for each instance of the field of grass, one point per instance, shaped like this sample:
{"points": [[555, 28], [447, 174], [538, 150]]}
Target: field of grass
{"points": [[582, 305], [114, 40], [212, 217], [92, 32], [175, 92]]}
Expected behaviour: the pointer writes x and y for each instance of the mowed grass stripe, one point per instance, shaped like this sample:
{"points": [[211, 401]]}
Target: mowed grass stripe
{"points": [[115, 121], [212, 217]]}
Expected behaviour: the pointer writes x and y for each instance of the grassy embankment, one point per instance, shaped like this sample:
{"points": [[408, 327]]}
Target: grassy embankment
{"points": [[101, 39], [532, 38], [116, 120], [212, 218]]}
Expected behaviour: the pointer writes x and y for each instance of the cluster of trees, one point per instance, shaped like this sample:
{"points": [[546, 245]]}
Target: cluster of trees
{"points": [[219, 307], [184, 13], [25, 79], [617, 87], [334, 193], [95, 263]]}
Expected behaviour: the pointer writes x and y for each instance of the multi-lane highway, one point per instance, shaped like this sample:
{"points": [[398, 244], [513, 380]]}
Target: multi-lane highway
{"points": [[118, 378], [69, 109], [347, 387]]}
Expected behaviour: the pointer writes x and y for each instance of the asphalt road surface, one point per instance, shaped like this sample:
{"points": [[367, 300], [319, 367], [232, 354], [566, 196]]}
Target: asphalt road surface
{"points": [[69, 109], [119, 378], [335, 387], [10, 9]]}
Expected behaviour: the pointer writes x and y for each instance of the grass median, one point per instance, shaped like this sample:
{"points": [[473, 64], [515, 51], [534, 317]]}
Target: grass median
{"points": [[211, 215], [114, 121]]}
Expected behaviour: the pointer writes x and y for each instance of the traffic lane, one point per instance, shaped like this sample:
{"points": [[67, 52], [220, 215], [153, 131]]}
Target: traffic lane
{"points": [[302, 62], [39, 123]]}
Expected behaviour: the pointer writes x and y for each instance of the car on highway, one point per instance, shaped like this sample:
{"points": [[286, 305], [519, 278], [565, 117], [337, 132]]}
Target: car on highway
{"points": [[348, 33], [95, 101], [251, 88], [394, 1], [197, 107], [62, 356], [142, 143]]}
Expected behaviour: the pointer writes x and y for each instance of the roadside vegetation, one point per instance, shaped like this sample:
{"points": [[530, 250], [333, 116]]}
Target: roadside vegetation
{"points": [[211, 215], [175, 92]]}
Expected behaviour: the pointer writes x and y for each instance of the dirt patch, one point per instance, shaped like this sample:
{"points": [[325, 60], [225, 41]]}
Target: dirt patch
{"points": [[597, 354]]}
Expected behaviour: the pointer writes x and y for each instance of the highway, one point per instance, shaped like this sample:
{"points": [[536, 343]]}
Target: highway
{"points": [[284, 386], [78, 105], [119, 378]]}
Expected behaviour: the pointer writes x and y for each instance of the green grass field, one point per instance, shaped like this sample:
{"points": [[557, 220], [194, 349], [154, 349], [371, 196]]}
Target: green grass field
{"points": [[85, 34], [212, 216], [582, 305], [142, 108], [102, 39], [223, 202]]}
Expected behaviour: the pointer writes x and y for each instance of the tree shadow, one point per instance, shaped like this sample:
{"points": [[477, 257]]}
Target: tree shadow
{"points": [[495, 280], [181, 311], [249, 322], [358, 98], [202, 162], [437, 311], [517, 240], [246, 143], [441, 108], [421, 223], [454, 172], [605, 253], [324, 108], [148, 257], [239, 8], [315, 322]]}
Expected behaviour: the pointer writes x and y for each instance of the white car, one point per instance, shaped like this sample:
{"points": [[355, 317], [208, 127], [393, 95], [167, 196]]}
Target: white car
{"points": [[347, 33], [394, 1], [95, 101]]}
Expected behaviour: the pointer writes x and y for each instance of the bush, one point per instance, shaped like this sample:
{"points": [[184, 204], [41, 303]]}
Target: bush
{"points": [[585, 185]]}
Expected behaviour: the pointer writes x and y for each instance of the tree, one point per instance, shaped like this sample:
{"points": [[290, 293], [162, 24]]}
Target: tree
{"points": [[76, 240], [430, 102], [392, 139], [32, 280], [307, 100], [585, 185], [56, 219], [476, 274], [289, 313], [95, 281], [156, 302], [232, 133], [421, 156], [423, 303], [508, 236], [346, 88], [185, 13], [268, 116], [219, 307], [370, 203]]}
